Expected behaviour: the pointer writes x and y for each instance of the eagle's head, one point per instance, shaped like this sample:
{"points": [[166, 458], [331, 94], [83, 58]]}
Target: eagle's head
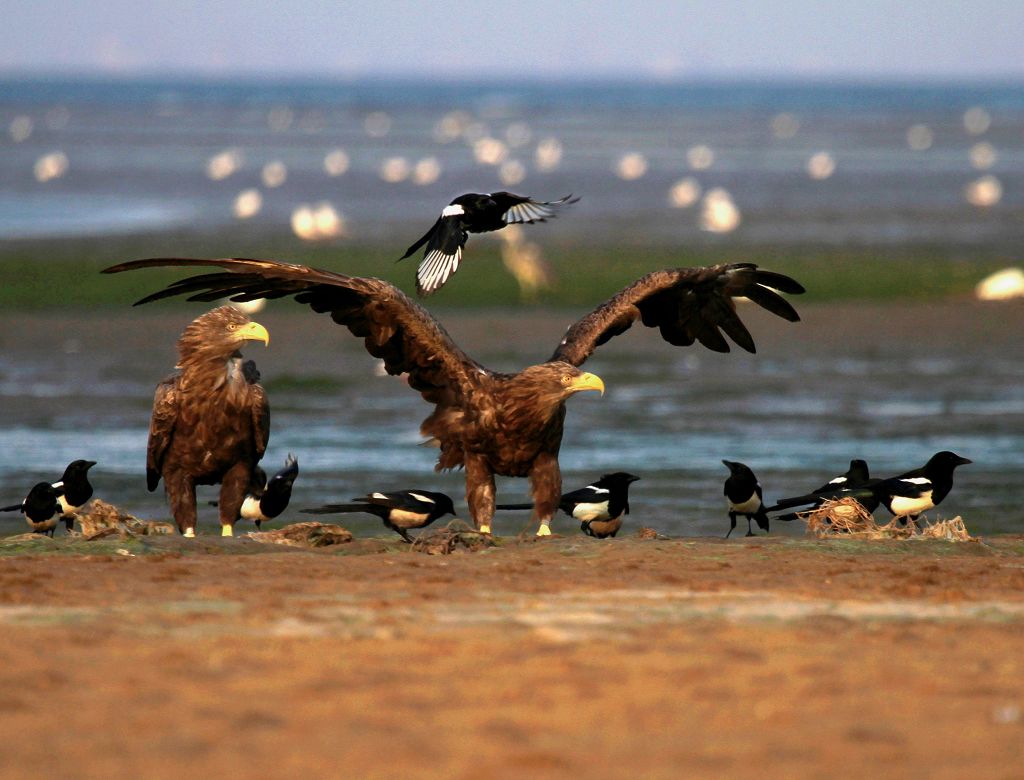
{"points": [[217, 336], [550, 384]]}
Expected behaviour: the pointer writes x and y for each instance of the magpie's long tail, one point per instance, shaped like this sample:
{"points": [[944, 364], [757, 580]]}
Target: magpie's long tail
{"points": [[514, 506], [762, 520], [867, 495], [14, 508], [334, 509], [787, 503]]}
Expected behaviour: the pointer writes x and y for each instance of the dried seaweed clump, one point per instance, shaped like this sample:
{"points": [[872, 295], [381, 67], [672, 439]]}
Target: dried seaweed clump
{"points": [[649, 533], [847, 517], [310, 534], [457, 536], [104, 520], [951, 530]]}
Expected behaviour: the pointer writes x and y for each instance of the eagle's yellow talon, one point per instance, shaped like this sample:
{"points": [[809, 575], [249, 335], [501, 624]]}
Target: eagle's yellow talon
{"points": [[190, 533], [544, 530], [226, 530], [485, 529]]}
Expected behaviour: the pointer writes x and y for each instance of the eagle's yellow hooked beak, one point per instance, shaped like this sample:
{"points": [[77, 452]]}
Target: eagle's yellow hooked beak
{"points": [[587, 381], [254, 332]]}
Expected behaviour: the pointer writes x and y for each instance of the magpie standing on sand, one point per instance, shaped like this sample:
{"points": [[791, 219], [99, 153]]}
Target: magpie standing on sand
{"points": [[472, 213], [400, 510], [857, 475], [599, 507], [73, 490], [743, 495], [41, 507], [266, 499]]}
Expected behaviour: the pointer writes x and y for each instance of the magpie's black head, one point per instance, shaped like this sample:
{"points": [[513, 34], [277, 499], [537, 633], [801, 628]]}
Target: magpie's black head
{"points": [[945, 461], [77, 469], [737, 469], [444, 503], [616, 479], [474, 201], [858, 471], [250, 372], [284, 479]]}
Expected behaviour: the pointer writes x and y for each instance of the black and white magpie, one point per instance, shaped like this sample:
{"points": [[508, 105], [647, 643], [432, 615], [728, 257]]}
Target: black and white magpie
{"points": [[41, 507], [857, 475], [400, 510], [906, 495], [266, 499], [599, 507], [73, 490], [250, 372], [934, 480], [472, 213], [743, 495]]}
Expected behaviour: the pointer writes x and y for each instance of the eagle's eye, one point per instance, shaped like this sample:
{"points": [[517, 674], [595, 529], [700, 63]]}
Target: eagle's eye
{"points": [[566, 380], [232, 326]]}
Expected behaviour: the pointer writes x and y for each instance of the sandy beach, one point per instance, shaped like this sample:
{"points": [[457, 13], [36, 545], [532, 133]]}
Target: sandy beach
{"points": [[567, 657]]}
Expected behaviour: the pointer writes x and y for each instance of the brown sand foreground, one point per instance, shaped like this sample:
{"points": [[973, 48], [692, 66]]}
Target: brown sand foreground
{"points": [[565, 657]]}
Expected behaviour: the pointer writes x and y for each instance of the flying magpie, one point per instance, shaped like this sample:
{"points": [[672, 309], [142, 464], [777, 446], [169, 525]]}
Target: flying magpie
{"points": [[400, 510], [855, 476], [743, 495], [41, 508], [472, 213], [599, 507], [265, 499], [73, 490]]}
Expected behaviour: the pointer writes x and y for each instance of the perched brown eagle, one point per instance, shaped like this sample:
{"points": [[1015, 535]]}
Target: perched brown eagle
{"points": [[490, 422], [211, 422]]}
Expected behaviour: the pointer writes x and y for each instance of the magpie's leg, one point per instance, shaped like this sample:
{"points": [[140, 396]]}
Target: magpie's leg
{"points": [[732, 523], [749, 531]]}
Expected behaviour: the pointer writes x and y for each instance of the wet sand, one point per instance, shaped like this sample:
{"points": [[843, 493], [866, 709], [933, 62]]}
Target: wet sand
{"points": [[565, 657]]}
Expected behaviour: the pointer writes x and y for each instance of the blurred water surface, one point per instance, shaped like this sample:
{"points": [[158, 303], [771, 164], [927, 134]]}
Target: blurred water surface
{"points": [[828, 163]]}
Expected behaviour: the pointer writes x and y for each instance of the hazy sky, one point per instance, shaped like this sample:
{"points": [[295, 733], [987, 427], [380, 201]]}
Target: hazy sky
{"points": [[532, 38]]}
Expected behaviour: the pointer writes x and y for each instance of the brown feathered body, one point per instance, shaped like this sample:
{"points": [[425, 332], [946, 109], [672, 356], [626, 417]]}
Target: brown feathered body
{"points": [[210, 423], [487, 422]]}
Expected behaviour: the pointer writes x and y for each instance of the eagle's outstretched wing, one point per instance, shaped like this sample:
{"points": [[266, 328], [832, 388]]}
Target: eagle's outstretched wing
{"points": [[393, 327], [161, 429], [687, 305]]}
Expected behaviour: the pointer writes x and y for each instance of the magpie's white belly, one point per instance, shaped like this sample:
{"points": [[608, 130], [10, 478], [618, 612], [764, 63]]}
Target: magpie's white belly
{"points": [[747, 507], [586, 512], [251, 509], [912, 506], [402, 516]]}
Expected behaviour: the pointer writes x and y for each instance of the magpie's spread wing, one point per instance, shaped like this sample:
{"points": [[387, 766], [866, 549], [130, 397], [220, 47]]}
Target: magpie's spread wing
{"points": [[517, 209], [422, 240], [393, 327], [443, 255], [686, 305]]}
